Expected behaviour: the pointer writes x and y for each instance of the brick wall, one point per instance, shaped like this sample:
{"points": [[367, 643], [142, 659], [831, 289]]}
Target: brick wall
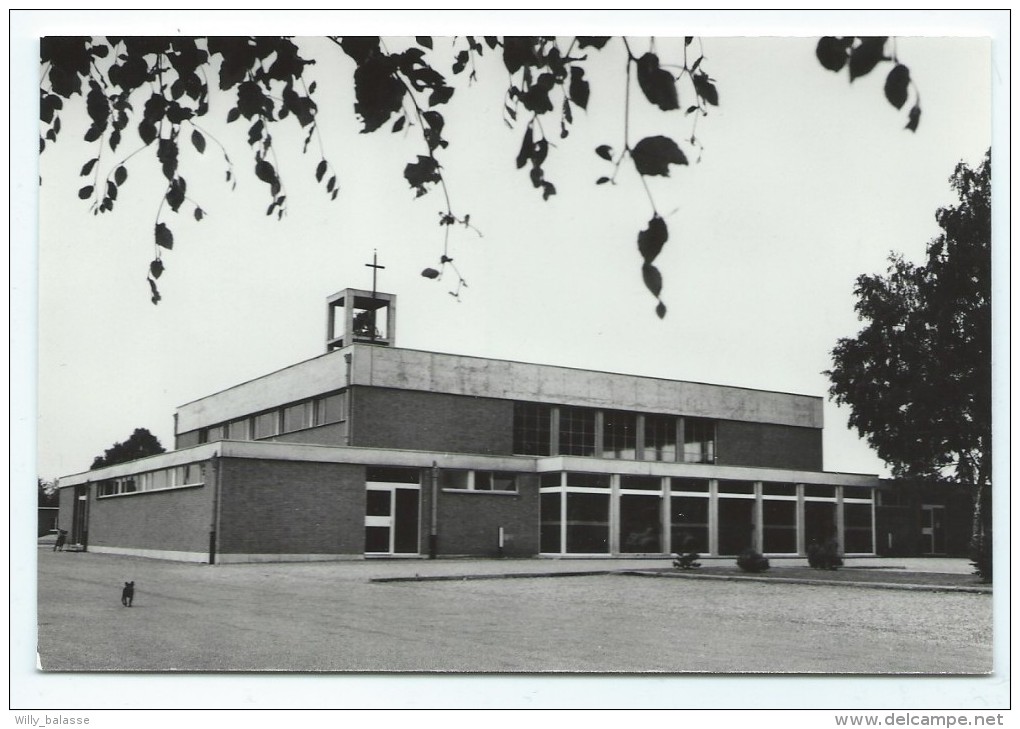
{"points": [[171, 520], [290, 507], [768, 446], [469, 521], [385, 418]]}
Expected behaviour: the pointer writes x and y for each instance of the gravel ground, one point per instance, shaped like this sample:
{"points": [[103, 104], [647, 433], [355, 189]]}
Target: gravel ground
{"points": [[330, 617]]}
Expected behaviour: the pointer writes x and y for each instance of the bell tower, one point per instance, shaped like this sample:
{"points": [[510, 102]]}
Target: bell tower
{"points": [[355, 316]]}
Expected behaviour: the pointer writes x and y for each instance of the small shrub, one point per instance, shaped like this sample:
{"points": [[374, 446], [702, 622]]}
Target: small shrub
{"points": [[824, 556], [751, 561], [981, 556]]}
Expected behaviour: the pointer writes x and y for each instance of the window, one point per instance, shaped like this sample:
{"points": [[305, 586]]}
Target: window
{"points": [[736, 487], [660, 438], [331, 409], [214, 433], [641, 483], [857, 528], [779, 534], [689, 522], [295, 417], [577, 431], [449, 479], [699, 440], [267, 424], [532, 428], [619, 430], [495, 481], [477, 480], [692, 485], [778, 489], [161, 480], [239, 429]]}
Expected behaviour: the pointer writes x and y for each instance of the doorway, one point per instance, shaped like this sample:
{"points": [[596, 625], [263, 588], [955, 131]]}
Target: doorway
{"points": [[80, 516], [392, 510], [933, 532]]}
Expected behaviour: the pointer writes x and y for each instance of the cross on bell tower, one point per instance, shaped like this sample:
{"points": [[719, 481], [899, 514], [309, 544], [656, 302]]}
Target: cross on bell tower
{"points": [[374, 265], [367, 317]]}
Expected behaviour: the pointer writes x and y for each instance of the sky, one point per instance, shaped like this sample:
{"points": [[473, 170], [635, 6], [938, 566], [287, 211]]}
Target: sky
{"points": [[805, 181]]}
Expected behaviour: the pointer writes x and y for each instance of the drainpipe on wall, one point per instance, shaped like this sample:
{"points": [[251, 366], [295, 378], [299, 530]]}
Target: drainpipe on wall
{"points": [[214, 526], [433, 522]]}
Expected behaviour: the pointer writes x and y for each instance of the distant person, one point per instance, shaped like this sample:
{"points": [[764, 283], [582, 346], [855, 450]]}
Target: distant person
{"points": [[58, 546]]}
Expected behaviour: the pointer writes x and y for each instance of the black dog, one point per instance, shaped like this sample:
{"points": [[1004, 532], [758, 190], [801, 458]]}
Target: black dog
{"points": [[127, 595]]}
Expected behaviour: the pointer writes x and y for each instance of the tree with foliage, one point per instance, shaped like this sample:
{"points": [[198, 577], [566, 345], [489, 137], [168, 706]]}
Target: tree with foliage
{"points": [[47, 494], [918, 377], [147, 99], [142, 443]]}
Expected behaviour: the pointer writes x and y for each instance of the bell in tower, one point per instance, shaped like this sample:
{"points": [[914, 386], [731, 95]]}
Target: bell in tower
{"points": [[355, 316], [360, 317]]}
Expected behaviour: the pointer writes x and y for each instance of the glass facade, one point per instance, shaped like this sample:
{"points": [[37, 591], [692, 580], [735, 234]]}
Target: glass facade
{"points": [[699, 440], [532, 429], [660, 438], [619, 435], [577, 431]]}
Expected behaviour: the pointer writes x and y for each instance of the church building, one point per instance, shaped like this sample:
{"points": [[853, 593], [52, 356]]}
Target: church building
{"points": [[370, 450]]}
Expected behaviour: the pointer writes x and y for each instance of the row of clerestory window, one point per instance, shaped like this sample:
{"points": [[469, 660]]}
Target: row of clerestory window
{"points": [[543, 430], [290, 418]]}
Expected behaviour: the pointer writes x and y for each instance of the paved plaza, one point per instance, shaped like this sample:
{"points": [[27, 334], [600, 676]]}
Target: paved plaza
{"points": [[338, 616]]}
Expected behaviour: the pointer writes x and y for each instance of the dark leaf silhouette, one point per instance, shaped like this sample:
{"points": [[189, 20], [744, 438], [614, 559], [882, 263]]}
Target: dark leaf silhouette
{"points": [[423, 40], [175, 194], [86, 192], [199, 213], [164, 238], [167, 155], [660, 310], [420, 173], [653, 279], [832, 52], [914, 119], [604, 151], [866, 56], [657, 84], [87, 168], [896, 84], [320, 170], [198, 141], [120, 175], [592, 41], [156, 268], [705, 89], [652, 238], [579, 90], [154, 290], [430, 273], [654, 155], [379, 94]]}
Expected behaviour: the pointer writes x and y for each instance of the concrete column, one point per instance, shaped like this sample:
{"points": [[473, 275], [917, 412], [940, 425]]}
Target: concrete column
{"points": [[713, 517], [554, 431], [801, 537], [614, 512], [759, 519], [667, 515], [639, 438], [600, 422]]}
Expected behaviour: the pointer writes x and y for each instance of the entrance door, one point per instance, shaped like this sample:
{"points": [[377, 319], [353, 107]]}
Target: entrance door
{"points": [[933, 533], [391, 518], [80, 516]]}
